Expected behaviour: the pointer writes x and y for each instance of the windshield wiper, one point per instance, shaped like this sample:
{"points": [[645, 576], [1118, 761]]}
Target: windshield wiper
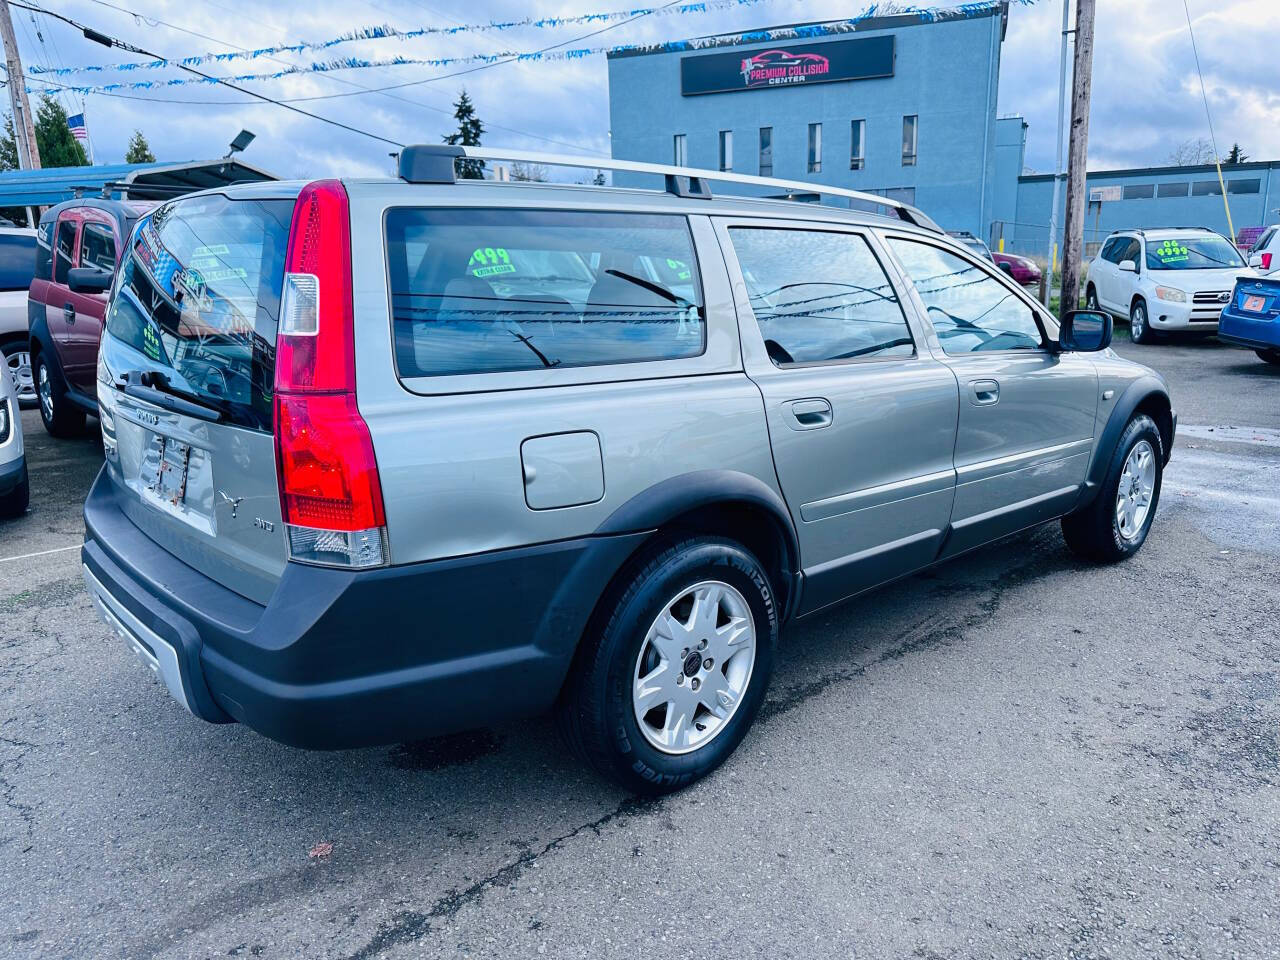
{"points": [[653, 288], [154, 387]]}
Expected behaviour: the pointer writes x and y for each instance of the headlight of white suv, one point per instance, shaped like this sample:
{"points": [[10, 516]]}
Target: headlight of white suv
{"points": [[1172, 294]]}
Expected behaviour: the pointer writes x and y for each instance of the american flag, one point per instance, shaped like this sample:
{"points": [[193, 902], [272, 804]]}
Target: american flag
{"points": [[78, 129]]}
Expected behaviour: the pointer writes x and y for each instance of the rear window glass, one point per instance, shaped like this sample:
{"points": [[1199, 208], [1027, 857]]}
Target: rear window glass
{"points": [[484, 291], [17, 260], [198, 299]]}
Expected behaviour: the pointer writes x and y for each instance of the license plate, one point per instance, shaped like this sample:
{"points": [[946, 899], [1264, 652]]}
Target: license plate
{"points": [[1255, 304], [170, 469]]}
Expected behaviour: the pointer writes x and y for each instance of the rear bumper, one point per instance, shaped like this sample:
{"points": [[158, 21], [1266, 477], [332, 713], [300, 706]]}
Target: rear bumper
{"points": [[1256, 333], [345, 659]]}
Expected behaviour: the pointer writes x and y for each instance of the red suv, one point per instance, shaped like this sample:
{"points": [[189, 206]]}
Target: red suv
{"points": [[78, 246]]}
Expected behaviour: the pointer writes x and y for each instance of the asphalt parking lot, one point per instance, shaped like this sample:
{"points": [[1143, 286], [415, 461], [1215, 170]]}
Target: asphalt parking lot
{"points": [[1014, 755]]}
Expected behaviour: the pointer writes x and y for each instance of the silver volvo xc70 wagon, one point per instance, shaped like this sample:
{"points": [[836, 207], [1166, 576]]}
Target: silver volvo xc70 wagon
{"points": [[389, 458]]}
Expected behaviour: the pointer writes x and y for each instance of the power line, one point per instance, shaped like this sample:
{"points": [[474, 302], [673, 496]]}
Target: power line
{"points": [[109, 41], [1217, 159], [360, 88]]}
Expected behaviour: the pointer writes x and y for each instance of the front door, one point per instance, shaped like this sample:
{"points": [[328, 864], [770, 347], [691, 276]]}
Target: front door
{"points": [[1027, 411], [60, 311], [84, 333], [861, 416]]}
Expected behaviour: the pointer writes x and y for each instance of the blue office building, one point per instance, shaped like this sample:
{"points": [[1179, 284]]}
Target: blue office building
{"points": [[901, 105]]}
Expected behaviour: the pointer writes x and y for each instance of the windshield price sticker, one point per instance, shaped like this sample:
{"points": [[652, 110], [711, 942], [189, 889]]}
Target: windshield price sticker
{"points": [[1171, 251]]}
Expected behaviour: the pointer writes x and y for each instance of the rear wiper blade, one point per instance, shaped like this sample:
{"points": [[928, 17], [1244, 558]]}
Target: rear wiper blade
{"points": [[154, 387]]}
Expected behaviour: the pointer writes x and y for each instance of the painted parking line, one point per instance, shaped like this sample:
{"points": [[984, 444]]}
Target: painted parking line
{"points": [[40, 553]]}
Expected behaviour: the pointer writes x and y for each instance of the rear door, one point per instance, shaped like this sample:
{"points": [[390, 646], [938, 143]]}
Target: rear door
{"points": [[1027, 412], [197, 300], [97, 248], [861, 416]]}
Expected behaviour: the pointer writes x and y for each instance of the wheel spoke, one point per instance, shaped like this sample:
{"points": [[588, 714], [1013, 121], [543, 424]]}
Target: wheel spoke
{"points": [[653, 689], [717, 695], [706, 609]]}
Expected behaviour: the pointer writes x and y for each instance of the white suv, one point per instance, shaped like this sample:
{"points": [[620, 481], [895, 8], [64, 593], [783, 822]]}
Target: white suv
{"points": [[1163, 280]]}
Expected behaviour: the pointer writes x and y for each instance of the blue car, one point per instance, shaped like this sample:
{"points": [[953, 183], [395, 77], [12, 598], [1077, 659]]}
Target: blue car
{"points": [[1252, 318]]}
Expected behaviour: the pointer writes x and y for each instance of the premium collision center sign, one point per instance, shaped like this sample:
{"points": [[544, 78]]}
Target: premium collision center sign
{"points": [[861, 58]]}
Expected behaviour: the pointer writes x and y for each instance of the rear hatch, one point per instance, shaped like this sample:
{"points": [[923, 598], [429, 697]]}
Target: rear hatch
{"points": [[186, 373], [1257, 298]]}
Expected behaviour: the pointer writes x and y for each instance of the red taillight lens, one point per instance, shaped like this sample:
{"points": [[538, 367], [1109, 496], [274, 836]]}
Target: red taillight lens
{"points": [[328, 476], [330, 495], [1266, 261]]}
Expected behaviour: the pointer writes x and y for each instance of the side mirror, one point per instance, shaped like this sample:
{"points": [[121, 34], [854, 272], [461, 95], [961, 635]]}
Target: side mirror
{"points": [[1255, 260], [1085, 331], [1128, 266], [89, 279]]}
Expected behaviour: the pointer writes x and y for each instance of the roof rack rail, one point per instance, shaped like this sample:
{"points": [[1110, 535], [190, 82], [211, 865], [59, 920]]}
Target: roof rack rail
{"points": [[433, 163]]}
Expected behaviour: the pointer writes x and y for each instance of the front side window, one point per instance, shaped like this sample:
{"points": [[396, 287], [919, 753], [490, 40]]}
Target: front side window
{"points": [[766, 151], [98, 247], [726, 149], [856, 159], [815, 148], [971, 311], [680, 150], [1130, 250], [910, 125], [64, 257], [819, 297], [1209, 252], [487, 291]]}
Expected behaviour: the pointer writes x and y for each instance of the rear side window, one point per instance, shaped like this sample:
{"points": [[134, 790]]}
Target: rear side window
{"points": [[819, 297], [44, 250], [485, 291], [63, 258], [971, 310], [17, 261], [97, 246]]}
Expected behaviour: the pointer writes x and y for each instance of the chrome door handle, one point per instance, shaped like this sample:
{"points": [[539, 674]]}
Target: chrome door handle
{"points": [[985, 392], [811, 414], [69, 312]]}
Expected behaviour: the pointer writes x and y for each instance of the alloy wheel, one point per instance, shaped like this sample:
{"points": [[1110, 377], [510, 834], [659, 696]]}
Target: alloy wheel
{"points": [[1136, 490], [45, 389], [1138, 322], [694, 667], [18, 365]]}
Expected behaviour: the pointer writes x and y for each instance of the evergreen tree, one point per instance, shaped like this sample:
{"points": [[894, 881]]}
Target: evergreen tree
{"points": [[8, 146], [58, 147], [469, 132], [1235, 155], [139, 150]]}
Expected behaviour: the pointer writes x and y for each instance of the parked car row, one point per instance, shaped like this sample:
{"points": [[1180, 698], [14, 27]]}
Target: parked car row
{"points": [[1024, 270], [1189, 280]]}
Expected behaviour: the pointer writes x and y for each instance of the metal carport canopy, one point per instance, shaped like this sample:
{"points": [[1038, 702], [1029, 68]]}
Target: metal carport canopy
{"points": [[134, 181]]}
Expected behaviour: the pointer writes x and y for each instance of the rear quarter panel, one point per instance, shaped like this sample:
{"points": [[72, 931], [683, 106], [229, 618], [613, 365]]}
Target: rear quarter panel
{"points": [[450, 463]]}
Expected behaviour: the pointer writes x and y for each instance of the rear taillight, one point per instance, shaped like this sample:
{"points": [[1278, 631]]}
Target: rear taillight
{"points": [[330, 495], [1266, 261]]}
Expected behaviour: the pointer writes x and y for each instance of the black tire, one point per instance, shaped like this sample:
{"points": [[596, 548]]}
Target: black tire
{"points": [[595, 712], [14, 503], [1270, 356], [1140, 323], [1091, 298], [1093, 533], [59, 415]]}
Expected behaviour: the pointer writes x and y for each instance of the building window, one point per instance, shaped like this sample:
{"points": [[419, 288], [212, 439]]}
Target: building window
{"points": [[858, 128], [766, 151], [815, 148], [1233, 186], [1139, 191], [680, 145], [909, 135], [726, 149], [901, 194], [1206, 188], [1177, 189]]}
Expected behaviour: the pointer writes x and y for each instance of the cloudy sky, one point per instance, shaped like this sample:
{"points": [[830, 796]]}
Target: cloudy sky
{"points": [[1146, 91]]}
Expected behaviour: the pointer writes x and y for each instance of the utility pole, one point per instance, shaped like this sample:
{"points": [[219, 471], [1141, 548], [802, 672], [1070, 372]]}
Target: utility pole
{"points": [[24, 131], [1046, 287], [1073, 231]]}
